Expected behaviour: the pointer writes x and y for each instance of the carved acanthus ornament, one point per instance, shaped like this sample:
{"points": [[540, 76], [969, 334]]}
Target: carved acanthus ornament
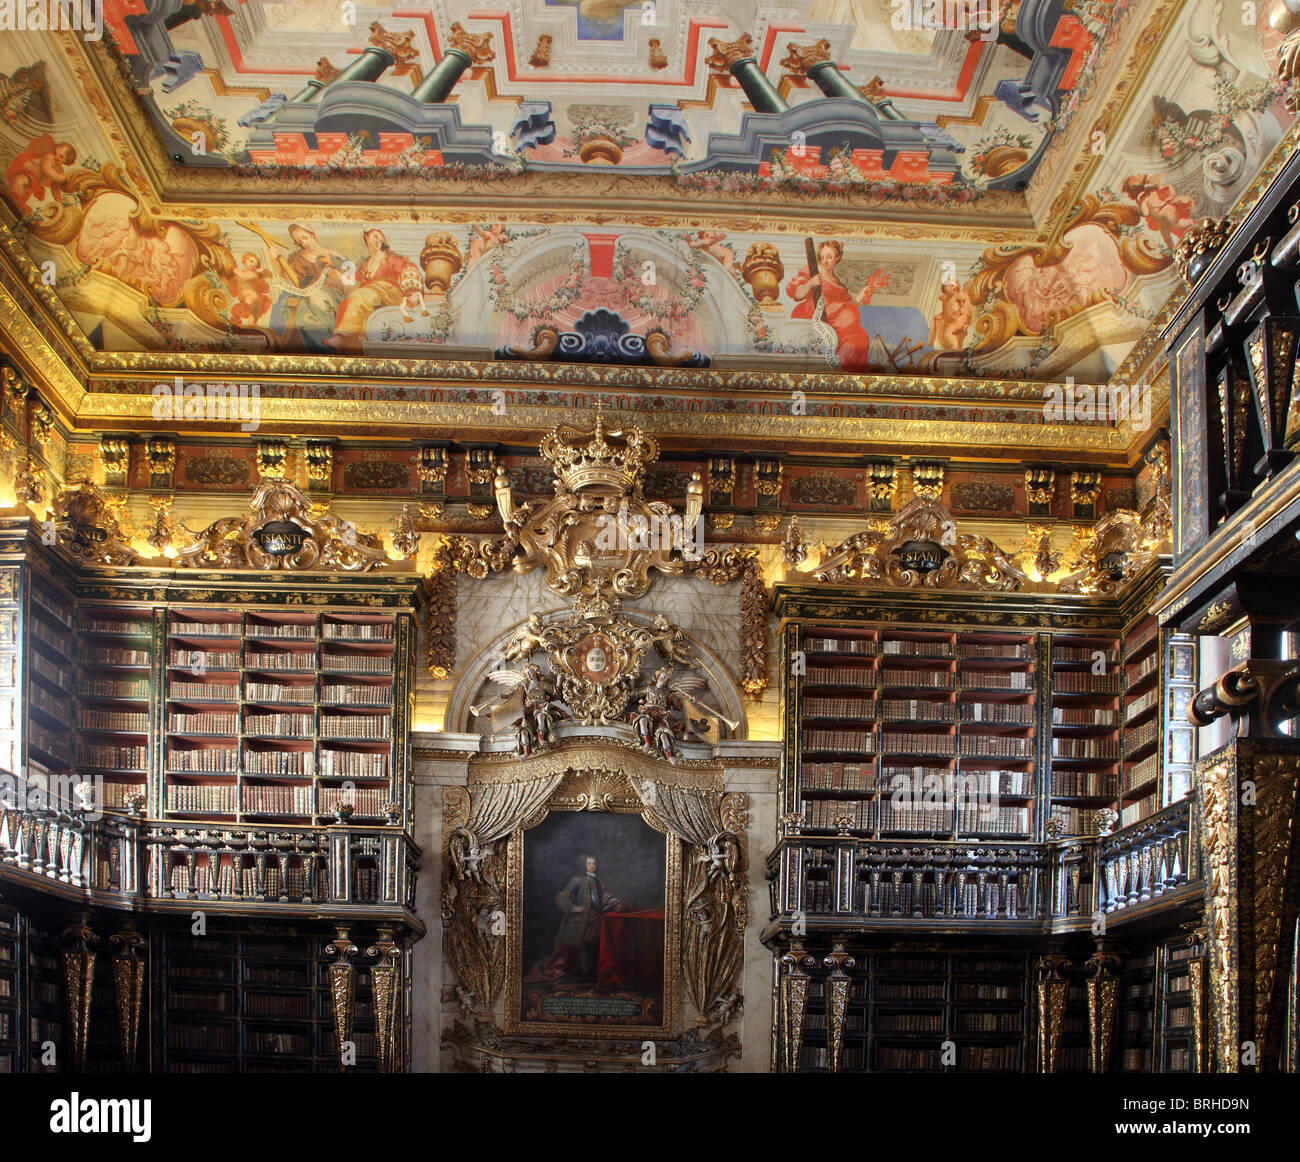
{"points": [[283, 530], [440, 613], [1285, 19], [343, 991], [1052, 990], [798, 57], [725, 53], [128, 988], [400, 47], [1122, 544], [920, 548], [89, 526], [476, 45], [42, 420]]}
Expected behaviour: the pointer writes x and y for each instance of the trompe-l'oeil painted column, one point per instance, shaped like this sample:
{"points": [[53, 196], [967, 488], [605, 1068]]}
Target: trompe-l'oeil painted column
{"points": [[737, 58]]}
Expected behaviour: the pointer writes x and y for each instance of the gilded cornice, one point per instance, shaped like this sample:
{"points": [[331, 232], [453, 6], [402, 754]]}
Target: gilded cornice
{"points": [[477, 421], [605, 754], [425, 375], [25, 346]]}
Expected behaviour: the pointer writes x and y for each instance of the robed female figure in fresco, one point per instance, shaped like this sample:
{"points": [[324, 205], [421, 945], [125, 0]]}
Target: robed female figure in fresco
{"points": [[378, 285], [841, 308], [310, 267]]}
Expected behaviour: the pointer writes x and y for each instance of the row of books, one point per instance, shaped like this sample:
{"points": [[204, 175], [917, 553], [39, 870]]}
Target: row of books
{"points": [[340, 695], [200, 661], [911, 649], [988, 1022], [1083, 784], [1091, 654], [1136, 673], [129, 720], [50, 603], [53, 636], [278, 762], [113, 656], [203, 692], [909, 1022], [914, 708], [356, 663], [834, 776], [919, 742], [359, 631], [823, 813], [139, 628], [290, 629], [1085, 682], [1075, 820], [276, 799], [57, 745], [1139, 774], [205, 722], [863, 647], [1139, 810], [217, 799], [205, 628], [1141, 736], [203, 761], [1010, 652], [840, 707], [1140, 706], [840, 676], [353, 764], [55, 705], [915, 817], [280, 725], [1017, 713], [1099, 747], [999, 679], [60, 676], [225, 877], [278, 692], [1082, 716], [114, 758], [373, 727], [997, 746], [89, 687], [936, 679], [861, 741]]}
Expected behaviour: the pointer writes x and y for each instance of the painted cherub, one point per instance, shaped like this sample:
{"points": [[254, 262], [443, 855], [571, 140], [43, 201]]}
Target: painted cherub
{"points": [[711, 242], [251, 286], [411, 285], [40, 169], [486, 238], [948, 328]]}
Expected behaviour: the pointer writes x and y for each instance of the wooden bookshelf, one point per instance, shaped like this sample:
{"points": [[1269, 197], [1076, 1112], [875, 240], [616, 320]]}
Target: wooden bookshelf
{"points": [[12, 1010], [48, 751], [1142, 741], [903, 1007], [253, 1003], [1135, 1028], [274, 715], [46, 1019], [1175, 1053], [915, 732], [114, 703], [1084, 743]]}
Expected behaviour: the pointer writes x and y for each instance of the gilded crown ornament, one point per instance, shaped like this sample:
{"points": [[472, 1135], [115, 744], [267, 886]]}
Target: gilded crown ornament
{"points": [[615, 461]]}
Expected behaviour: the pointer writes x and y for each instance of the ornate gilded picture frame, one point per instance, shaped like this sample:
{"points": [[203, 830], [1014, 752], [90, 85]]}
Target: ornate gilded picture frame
{"points": [[593, 898]]}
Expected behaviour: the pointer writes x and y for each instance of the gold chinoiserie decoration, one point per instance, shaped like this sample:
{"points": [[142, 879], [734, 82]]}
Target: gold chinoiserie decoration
{"points": [[78, 979], [128, 987], [1052, 990], [1103, 997], [793, 1002], [385, 983], [343, 992], [837, 1002]]}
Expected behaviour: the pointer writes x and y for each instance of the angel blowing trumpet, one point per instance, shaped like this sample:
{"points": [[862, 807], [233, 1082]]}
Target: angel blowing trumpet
{"points": [[539, 709], [668, 710]]}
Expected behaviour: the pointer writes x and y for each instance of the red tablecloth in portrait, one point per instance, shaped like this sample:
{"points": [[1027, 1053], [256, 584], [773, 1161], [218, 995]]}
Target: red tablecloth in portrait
{"points": [[631, 951]]}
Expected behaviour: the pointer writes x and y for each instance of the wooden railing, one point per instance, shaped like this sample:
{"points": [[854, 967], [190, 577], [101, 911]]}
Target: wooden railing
{"points": [[127, 857], [936, 884]]}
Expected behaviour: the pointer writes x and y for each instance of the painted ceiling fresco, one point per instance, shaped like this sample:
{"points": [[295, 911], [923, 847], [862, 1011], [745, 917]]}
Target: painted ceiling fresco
{"points": [[800, 186]]}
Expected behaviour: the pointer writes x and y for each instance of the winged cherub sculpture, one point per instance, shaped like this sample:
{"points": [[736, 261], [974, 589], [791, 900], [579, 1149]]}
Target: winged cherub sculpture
{"points": [[670, 708], [540, 706]]}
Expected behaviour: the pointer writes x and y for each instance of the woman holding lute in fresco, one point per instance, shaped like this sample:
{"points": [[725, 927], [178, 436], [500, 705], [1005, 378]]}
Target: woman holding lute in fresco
{"points": [[308, 285], [833, 310]]}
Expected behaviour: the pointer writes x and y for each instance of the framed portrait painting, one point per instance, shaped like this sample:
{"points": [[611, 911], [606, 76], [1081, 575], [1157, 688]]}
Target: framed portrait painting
{"points": [[594, 945]]}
